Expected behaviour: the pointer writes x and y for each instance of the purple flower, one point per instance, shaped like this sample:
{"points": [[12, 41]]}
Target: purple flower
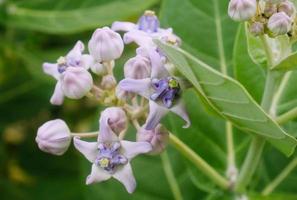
{"points": [[161, 89], [73, 79], [147, 29], [110, 156]]}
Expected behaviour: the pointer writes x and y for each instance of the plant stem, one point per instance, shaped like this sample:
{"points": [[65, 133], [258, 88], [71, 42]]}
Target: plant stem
{"points": [[199, 162], [291, 114], [85, 135], [256, 148], [170, 176], [288, 169]]}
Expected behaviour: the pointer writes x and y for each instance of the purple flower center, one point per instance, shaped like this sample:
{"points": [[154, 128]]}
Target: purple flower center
{"points": [[109, 156], [166, 90], [64, 63], [148, 22]]}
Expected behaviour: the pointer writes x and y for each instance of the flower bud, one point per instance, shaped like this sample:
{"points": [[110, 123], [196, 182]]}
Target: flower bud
{"points": [[279, 23], [108, 82], [116, 118], [157, 137], [287, 7], [270, 9], [76, 82], [98, 68], [256, 28], [138, 67], [54, 137], [242, 10], [106, 45]]}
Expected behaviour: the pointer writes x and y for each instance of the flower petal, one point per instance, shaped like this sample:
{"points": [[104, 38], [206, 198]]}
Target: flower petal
{"points": [[58, 95], [51, 69], [125, 176], [76, 50], [139, 86], [123, 26], [132, 149], [106, 133], [88, 149], [139, 37], [97, 175], [87, 61], [158, 69], [180, 110], [156, 112]]}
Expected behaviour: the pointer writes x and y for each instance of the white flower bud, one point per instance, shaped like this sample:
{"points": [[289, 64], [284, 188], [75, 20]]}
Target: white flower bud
{"points": [[138, 67], [106, 45], [98, 68], [242, 10], [108, 82], [157, 137], [279, 23], [76, 82], [116, 118], [54, 137], [270, 9], [287, 7], [256, 28]]}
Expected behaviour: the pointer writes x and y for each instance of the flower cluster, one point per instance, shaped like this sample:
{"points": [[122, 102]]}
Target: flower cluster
{"points": [[147, 93], [271, 17]]}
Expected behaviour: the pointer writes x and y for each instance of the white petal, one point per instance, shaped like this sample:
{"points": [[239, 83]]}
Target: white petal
{"points": [[76, 50], [123, 26], [156, 112], [106, 133], [87, 61], [125, 176], [132, 149], [51, 69], [180, 110], [158, 69], [58, 95], [140, 86], [139, 37], [88, 149], [97, 175]]}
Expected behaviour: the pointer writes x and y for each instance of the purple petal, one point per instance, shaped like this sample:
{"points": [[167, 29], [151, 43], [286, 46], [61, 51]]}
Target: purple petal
{"points": [[51, 69], [139, 37], [155, 115], [58, 95], [76, 50], [106, 133], [97, 175], [139, 86], [158, 69], [88, 149], [180, 110], [132, 149], [125, 176], [123, 26]]}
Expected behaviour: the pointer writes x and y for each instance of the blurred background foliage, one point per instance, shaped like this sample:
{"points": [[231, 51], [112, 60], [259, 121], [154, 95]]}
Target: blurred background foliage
{"points": [[34, 31]]}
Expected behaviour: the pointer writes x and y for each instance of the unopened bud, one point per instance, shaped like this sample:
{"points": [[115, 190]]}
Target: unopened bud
{"points": [[54, 137], [242, 10], [98, 68], [106, 45], [157, 137], [270, 9], [116, 119], [279, 23], [287, 7], [138, 67], [108, 82], [256, 28], [76, 82]]}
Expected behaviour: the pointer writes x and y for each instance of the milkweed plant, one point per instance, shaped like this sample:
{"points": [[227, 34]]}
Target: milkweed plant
{"points": [[155, 79]]}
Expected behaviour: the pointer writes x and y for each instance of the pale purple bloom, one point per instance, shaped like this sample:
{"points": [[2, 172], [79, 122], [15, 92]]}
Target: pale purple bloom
{"points": [[110, 156], [147, 29], [161, 89], [79, 80]]}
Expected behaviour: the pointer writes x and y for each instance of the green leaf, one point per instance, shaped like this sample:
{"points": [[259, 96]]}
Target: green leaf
{"points": [[249, 74], [71, 16], [229, 98], [287, 64]]}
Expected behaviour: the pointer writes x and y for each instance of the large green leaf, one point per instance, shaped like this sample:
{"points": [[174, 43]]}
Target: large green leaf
{"points": [[229, 98], [70, 16], [287, 64], [247, 72]]}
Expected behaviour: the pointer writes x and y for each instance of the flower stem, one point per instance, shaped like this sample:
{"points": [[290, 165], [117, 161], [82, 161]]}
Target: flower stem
{"points": [[85, 135], [291, 114], [288, 169], [170, 177], [199, 162]]}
